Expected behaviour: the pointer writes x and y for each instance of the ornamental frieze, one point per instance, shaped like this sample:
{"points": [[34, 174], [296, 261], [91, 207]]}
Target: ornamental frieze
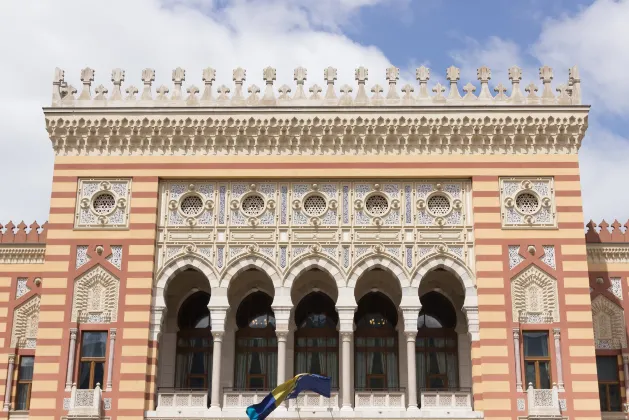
{"points": [[285, 221]]}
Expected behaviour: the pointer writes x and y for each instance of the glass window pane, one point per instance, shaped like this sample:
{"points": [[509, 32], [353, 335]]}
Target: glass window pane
{"points": [[256, 382], [535, 343], [614, 398], [21, 402], [607, 368], [529, 374], [84, 375], [602, 396], [99, 373], [544, 375], [197, 382], [26, 368], [94, 344], [376, 382]]}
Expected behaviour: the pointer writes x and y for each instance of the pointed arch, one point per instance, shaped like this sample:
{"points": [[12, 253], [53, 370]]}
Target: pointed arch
{"points": [[609, 324], [177, 265], [95, 297], [534, 297], [457, 268], [246, 262], [25, 324], [378, 261], [320, 261]]}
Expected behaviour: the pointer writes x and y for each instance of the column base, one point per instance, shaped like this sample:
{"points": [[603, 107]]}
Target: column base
{"points": [[347, 408], [215, 408], [412, 408], [6, 407], [281, 408]]}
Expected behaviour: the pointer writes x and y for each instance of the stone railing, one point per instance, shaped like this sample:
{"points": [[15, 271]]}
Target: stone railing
{"points": [[236, 399], [85, 402], [169, 399], [309, 401], [239, 95], [543, 402], [446, 399], [380, 399]]}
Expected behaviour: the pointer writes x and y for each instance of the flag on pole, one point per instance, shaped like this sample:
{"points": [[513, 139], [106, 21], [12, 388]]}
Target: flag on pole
{"points": [[288, 390]]}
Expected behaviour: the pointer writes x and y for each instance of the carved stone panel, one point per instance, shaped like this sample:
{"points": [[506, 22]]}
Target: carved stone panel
{"points": [[95, 297], [103, 203], [25, 324], [609, 324], [534, 297], [528, 203]]}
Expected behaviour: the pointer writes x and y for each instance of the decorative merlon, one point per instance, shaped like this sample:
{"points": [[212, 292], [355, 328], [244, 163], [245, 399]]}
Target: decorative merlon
{"points": [[567, 94], [23, 234]]}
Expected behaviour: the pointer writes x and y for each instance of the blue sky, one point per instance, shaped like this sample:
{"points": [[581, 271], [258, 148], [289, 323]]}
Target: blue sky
{"points": [[224, 34]]}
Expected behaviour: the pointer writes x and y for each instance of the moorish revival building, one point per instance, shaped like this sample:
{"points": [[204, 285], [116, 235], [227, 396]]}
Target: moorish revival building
{"points": [[423, 247]]}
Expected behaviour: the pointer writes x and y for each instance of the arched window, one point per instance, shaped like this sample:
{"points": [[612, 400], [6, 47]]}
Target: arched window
{"points": [[194, 343], [376, 343], [316, 338], [436, 345], [256, 344]]}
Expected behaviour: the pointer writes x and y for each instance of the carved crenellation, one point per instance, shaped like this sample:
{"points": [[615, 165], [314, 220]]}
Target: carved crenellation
{"points": [[534, 297], [609, 324], [340, 222], [604, 235], [25, 324], [304, 131], [95, 297], [23, 234], [569, 92]]}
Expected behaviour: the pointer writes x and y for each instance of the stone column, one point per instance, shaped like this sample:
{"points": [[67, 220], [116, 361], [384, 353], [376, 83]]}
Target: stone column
{"points": [[346, 391], [215, 403], [518, 367], [281, 356], [282, 306], [557, 334], [9, 383], [411, 336], [71, 356], [110, 362]]}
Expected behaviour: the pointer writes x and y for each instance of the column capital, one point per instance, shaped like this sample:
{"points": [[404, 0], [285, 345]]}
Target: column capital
{"points": [[281, 335], [557, 332], [73, 333], [112, 333], [625, 358], [11, 359], [410, 335], [347, 335], [516, 333], [218, 335]]}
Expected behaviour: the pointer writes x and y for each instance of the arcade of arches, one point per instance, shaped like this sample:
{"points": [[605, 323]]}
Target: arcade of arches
{"points": [[364, 338]]}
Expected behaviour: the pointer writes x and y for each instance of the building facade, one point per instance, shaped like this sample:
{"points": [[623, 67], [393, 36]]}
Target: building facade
{"points": [[422, 247]]}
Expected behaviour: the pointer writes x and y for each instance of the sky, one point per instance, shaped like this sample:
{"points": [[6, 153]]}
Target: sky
{"points": [[39, 35]]}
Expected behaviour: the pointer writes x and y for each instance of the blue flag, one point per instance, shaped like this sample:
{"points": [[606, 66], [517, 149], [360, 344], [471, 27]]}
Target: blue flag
{"points": [[288, 390]]}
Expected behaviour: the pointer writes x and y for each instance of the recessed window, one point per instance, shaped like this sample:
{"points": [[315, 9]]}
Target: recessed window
{"points": [[253, 205], [191, 205], [536, 359], [377, 205], [315, 205], [104, 203], [527, 203], [92, 361], [608, 383], [24, 383], [439, 205]]}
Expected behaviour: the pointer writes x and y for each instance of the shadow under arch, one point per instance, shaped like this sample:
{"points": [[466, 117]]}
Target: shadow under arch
{"points": [[455, 267], [178, 265], [381, 261], [321, 262], [247, 262]]}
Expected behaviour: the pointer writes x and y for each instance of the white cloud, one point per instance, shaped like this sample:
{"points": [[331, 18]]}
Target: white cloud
{"points": [[148, 33]]}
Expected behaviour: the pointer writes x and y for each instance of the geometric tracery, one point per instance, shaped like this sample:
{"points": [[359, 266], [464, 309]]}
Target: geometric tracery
{"points": [[25, 324], [609, 324], [95, 298], [534, 297]]}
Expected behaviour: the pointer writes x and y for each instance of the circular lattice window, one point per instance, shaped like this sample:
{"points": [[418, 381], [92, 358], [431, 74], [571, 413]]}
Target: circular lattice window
{"points": [[527, 203], [377, 205], [104, 203], [191, 205], [315, 205], [439, 205], [253, 205]]}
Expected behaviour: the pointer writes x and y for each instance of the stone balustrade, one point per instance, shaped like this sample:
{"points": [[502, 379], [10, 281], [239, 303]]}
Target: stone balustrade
{"points": [[543, 402], [446, 400], [236, 399], [380, 399], [173, 400], [568, 93], [85, 402], [309, 401]]}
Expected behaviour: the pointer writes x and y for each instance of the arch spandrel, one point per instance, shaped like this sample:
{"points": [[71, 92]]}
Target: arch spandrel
{"points": [[176, 266], [319, 261], [455, 267], [383, 262]]}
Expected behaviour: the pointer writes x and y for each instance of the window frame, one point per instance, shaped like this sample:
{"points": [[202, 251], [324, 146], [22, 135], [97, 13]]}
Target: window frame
{"points": [[537, 359], [267, 333], [382, 333], [93, 360], [317, 333], [208, 352], [28, 382], [608, 383], [445, 334]]}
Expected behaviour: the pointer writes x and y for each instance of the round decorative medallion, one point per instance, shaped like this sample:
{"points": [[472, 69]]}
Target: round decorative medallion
{"points": [[527, 203], [377, 204], [315, 205], [439, 205], [191, 205], [253, 205], [104, 203]]}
